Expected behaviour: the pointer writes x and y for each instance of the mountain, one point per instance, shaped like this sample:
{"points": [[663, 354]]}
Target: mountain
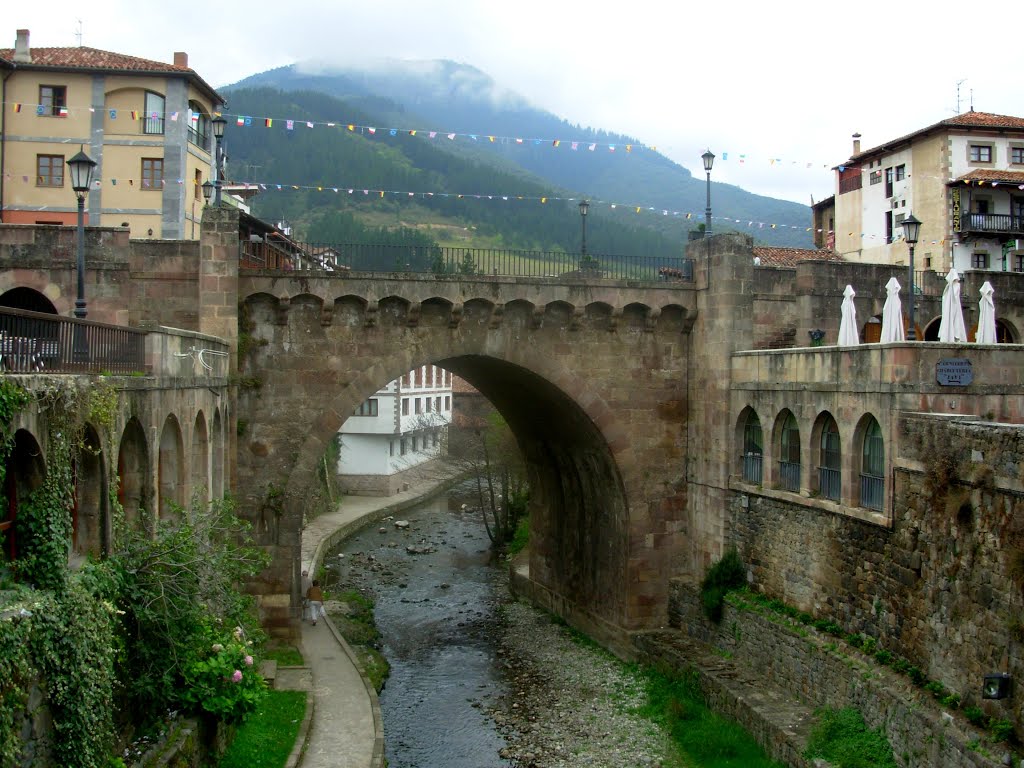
{"points": [[447, 97]]}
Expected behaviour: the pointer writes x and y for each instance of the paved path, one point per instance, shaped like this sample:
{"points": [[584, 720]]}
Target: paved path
{"points": [[345, 730]]}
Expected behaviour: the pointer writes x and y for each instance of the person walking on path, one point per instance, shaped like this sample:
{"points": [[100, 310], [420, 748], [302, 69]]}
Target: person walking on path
{"points": [[315, 596], [306, 584]]}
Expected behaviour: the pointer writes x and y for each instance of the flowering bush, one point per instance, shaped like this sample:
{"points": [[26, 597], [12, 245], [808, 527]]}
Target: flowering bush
{"points": [[222, 680]]}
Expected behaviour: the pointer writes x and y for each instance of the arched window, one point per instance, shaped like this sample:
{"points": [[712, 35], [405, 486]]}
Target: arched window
{"points": [[198, 126], [789, 455], [872, 468], [153, 113], [753, 449], [830, 460]]}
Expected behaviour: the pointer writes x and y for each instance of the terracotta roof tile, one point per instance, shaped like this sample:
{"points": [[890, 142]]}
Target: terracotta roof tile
{"points": [[92, 58], [983, 174], [790, 257], [965, 120]]}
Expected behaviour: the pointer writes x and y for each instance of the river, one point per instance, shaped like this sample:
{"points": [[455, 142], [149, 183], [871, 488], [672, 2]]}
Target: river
{"points": [[437, 593]]}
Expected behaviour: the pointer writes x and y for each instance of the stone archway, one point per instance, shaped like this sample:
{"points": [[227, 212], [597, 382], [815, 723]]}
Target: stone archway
{"points": [[217, 457], [133, 472], [200, 460], [171, 470], [91, 522], [25, 472]]}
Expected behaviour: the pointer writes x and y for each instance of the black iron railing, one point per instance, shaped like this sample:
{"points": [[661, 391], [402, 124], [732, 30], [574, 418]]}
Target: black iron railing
{"points": [[789, 475], [459, 262], [872, 491], [37, 342], [752, 467], [199, 138], [992, 222]]}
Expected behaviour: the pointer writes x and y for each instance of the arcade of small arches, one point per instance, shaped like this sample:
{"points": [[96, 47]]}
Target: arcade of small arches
{"points": [[837, 464], [155, 477], [1006, 332]]}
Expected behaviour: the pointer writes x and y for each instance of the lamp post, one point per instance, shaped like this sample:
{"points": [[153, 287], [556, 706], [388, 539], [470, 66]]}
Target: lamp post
{"points": [[584, 209], [709, 161], [911, 230], [207, 191], [81, 167], [219, 124]]}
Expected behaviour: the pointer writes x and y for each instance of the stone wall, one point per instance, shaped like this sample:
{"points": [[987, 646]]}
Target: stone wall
{"points": [[940, 586], [822, 671]]}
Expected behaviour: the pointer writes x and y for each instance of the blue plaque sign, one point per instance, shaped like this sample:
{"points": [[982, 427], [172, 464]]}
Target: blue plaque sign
{"points": [[954, 372]]}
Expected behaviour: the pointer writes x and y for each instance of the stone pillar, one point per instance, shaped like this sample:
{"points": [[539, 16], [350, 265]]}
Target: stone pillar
{"points": [[218, 277], [724, 325]]}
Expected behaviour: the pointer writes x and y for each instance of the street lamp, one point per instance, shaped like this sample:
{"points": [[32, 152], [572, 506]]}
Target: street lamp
{"points": [[81, 167], [207, 191], [709, 160], [911, 229], [219, 124], [584, 208]]}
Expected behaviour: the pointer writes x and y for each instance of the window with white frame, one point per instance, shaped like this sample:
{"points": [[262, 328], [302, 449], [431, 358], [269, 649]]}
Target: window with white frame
{"points": [[367, 408]]}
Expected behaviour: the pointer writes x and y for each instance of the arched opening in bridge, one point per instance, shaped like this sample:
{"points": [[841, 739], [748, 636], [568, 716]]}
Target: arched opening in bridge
{"points": [[200, 461], [27, 298], [171, 470], [90, 521], [25, 471], [132, 472], [217, 459]]}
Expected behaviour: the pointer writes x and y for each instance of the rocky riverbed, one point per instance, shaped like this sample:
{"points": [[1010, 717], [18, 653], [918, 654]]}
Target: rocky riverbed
{"points": [[473, 671]]}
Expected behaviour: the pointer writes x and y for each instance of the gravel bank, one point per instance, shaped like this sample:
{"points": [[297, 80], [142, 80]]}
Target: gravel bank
{"points": [[571, 705]]}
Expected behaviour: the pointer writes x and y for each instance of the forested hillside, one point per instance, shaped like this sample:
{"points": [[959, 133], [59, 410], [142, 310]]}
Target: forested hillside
{"points": [[453, 198], [449, 97]]}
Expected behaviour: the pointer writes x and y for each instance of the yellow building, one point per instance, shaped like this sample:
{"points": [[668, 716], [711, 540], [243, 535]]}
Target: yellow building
{"points": [[147, 124]]}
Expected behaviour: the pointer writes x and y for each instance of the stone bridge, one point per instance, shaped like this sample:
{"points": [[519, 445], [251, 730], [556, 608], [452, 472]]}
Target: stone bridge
{"points": [[591, 378]]}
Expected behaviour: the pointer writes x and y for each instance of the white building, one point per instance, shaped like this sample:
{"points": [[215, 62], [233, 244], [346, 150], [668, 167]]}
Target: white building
{"points": [[962, 177], [395, 432]]}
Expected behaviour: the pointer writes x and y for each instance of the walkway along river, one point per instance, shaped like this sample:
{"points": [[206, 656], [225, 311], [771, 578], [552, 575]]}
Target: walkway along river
{"points": [[477, 680]]}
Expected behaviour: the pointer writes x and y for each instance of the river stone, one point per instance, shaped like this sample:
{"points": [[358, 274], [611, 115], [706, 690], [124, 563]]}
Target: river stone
{"points": [[401, 524]]}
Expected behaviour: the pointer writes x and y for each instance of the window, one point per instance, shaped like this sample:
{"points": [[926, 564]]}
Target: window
{"points": [[198, 126], [888, 182], [979, 261], [752, 449], [980, 153], [391, 447], [368, 408], [1018, 263], [405, 406], [447, 403], [152, 173], [53, 100], [901, 172], [415, 444], [829, 473], [1017, 155], [49, 170], [403, 446], [429, 403], [437, 404], [153, 113], [197, 186], [876, 177], [419, 405], [789, 464], [872, 469]]}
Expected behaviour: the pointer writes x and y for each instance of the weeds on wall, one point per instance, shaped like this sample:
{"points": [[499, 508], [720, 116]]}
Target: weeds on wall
{"points": [[723, 576], [842, 738]]}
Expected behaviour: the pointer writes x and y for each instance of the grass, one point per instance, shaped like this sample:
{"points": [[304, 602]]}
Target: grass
{"points": [[266, 738], [674, 702], [842, 738], [360, 631], [285, 656], [520, 538]]}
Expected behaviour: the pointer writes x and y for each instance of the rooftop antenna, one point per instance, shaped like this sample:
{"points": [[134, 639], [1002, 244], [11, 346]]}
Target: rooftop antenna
{"points": [[972, 99], [958, 84], [78, 33]]}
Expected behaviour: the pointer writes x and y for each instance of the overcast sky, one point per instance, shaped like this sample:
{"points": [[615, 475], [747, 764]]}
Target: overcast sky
{"points": [[788, 81]]}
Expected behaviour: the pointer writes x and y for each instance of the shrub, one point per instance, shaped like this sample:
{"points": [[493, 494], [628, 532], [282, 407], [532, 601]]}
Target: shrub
{"points": [[975, 716], [722, 577], [882, 656], [842, 738], [1001, 730], [952, 701], [936, 689], [222, 679]]}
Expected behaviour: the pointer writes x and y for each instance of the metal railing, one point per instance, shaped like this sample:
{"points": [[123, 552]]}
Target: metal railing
{"points": [[872, 491], [752, 467], [201, 140], [458, 262], [789, 475], [992, 222], [153, 125], [829, 483], [37, 342]]}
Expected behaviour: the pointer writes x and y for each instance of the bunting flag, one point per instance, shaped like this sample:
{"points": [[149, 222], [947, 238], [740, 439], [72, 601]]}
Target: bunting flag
{"points": [[113, 114], [240, 121], [269, 122], [135, 115], [289, 124], [174, 117], [17, 107]]}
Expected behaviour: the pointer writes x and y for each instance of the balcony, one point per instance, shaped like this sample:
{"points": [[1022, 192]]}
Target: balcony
{"points": [[992, 223]]}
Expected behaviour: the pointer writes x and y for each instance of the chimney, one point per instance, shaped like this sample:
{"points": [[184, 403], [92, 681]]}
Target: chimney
{"points": [[181, 59], [22, 53], [856, 144]]}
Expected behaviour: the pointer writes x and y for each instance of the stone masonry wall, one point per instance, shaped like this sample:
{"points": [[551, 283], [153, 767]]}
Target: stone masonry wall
{"points": [[821, 671], [942, 586]]}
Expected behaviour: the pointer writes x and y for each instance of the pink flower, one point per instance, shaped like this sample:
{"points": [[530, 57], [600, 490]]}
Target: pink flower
{"points": [[248, 661], [237, 677]]}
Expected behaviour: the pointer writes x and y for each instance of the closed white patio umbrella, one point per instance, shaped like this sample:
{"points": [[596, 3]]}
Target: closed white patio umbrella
{"points": [[892, 313], [849, 336], [986, 316], [951, 328]]}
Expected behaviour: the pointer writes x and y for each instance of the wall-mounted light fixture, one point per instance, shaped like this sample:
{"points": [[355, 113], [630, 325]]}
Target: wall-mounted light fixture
{"points": [[996, 686]]}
